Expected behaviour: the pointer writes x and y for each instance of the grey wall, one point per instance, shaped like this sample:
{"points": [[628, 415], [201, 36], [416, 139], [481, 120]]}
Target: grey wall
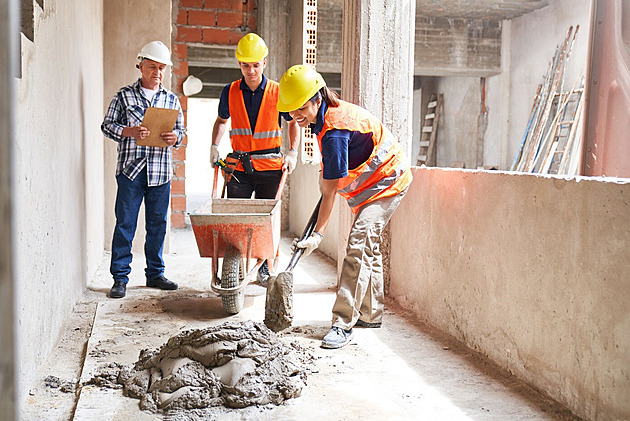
{"points": [[58, 173], [530, 271], [329, 24], [457, 130], [8, 67], [457, 47]]}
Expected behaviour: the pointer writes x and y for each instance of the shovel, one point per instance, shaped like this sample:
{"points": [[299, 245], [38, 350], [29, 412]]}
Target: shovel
{"points": [[279, 300]]}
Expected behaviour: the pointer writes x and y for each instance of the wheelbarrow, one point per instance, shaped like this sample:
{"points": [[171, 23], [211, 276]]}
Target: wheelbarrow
{"points": [[238, 231]]}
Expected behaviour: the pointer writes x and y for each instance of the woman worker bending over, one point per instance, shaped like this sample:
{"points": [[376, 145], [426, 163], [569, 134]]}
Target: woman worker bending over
{"points": [[364, 163]]}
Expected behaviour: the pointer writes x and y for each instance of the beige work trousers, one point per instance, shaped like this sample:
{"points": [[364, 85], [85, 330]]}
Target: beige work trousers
{"points": [[360, 288]]}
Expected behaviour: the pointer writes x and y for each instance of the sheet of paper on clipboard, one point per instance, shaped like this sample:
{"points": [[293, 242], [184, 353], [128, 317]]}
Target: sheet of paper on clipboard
{"points": [[158, 121]]}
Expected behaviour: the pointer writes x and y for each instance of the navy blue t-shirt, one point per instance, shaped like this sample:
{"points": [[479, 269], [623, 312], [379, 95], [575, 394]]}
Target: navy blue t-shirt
{"points": [[252, 100], [342, 150]]}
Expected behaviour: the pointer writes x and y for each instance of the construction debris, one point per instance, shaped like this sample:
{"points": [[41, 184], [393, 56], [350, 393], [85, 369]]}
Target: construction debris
{"points": [[236, 364], [552, 140]]}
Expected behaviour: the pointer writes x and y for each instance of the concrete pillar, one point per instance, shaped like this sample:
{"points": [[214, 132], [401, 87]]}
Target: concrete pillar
{"points": [[377, 66], [506, 69], [377, 74], [8, 65], [274, 28]]}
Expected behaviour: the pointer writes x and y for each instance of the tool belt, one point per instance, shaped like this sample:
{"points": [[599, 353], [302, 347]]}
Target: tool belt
{"points": [[245, 157]]}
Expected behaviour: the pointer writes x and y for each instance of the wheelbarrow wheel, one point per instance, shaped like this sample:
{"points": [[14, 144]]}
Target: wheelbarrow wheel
{"points": [[231, 275]]}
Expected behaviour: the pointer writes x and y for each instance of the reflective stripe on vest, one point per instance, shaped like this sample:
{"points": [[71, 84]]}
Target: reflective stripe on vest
{"points": [[267, 133], [381, 185], [385, 173]]}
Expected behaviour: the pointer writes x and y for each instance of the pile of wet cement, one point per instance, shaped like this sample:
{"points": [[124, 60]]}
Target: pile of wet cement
{"points": [[235, 364]]}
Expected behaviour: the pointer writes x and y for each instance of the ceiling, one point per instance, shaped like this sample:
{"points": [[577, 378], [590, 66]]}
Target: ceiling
{"points": [[478, 9]]}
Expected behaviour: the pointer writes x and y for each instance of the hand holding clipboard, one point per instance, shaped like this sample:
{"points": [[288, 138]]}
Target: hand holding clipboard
{"points": [[157, 121]]}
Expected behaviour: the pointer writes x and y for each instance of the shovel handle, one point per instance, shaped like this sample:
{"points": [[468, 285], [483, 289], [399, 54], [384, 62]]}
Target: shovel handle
{"points": [[308, 230]]}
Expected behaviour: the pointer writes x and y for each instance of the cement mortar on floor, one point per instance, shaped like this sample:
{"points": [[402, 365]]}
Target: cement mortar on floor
{"points": [[235, 364], [404, 370]]}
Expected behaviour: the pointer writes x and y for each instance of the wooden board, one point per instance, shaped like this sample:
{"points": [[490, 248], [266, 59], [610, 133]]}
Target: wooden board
{"points": [[158, 121]]}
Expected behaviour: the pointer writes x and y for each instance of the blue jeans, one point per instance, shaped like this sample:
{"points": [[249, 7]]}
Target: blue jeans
{"points": [[128, 200]]}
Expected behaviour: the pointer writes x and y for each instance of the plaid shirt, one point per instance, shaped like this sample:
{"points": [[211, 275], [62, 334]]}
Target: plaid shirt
{"points": [[127, 110]]}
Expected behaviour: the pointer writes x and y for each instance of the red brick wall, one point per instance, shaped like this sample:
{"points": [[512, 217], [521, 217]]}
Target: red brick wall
{"points": [[216, 22]]}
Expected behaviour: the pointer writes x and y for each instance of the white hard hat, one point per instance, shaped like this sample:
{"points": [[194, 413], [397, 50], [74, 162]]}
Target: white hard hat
{"points": [[156, 51], [192, 85]]}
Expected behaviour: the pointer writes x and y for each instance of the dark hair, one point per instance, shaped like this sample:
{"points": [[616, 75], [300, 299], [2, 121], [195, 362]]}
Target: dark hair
{"points": [[330, 97]]}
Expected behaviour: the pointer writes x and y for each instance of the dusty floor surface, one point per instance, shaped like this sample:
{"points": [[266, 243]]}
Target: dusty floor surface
{"points": [[402, 371]]}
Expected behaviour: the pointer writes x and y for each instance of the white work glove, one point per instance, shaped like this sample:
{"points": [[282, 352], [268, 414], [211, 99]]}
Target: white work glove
{"points": [[311, 243], [290, 161], [214, 154]]}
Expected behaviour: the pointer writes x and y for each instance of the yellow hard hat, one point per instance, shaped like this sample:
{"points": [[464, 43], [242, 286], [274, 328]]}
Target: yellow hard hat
{"points": [[298, 85], [251, 48]]}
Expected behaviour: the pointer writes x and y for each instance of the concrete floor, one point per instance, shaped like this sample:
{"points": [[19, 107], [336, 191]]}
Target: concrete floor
{"points": [[405, 370]]}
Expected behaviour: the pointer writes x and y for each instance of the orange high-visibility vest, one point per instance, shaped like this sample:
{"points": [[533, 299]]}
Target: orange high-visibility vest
{"points": [[385, 173], [266, 135]]}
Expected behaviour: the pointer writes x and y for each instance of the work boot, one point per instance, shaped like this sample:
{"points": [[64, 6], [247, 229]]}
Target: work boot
{"points": [[263, 274], [361, 323], [119, 290], [162, 283], [337, 337]]}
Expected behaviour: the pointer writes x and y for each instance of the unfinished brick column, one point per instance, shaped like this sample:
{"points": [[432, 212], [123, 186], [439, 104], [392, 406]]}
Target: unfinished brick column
{"points": [[214, 22], [377, 74]]}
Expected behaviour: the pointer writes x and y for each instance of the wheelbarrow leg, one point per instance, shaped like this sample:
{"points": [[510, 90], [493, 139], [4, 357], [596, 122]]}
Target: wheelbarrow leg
{"points": [[248, 254], [275, 261], [215, 258]]}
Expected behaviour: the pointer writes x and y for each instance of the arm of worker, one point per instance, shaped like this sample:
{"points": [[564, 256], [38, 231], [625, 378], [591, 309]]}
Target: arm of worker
{"points": [[290, 160], [170, 138], [220, 126], [115, 125], [329, 194]]}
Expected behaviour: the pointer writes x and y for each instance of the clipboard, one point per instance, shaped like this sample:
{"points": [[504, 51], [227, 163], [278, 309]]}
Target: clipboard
{"points": [[158, 121]]}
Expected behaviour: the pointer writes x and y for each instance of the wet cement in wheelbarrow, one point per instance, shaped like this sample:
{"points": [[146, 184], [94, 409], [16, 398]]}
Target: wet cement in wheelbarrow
{"points": [[236, 364], [279, 302]]}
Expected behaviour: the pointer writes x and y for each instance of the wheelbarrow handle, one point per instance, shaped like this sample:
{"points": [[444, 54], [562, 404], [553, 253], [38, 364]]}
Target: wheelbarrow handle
{"points": [[215, 181], [283, 181], [308, 230]]}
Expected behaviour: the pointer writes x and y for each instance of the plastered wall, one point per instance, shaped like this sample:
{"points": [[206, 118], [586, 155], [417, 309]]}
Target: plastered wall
{"points": [[58, 174], [8, 61], [530, 271], [458, 125], [125, 32]]}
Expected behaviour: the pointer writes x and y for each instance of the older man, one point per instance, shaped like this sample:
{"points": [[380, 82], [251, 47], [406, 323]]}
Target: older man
{"points": [[142, 172]]}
